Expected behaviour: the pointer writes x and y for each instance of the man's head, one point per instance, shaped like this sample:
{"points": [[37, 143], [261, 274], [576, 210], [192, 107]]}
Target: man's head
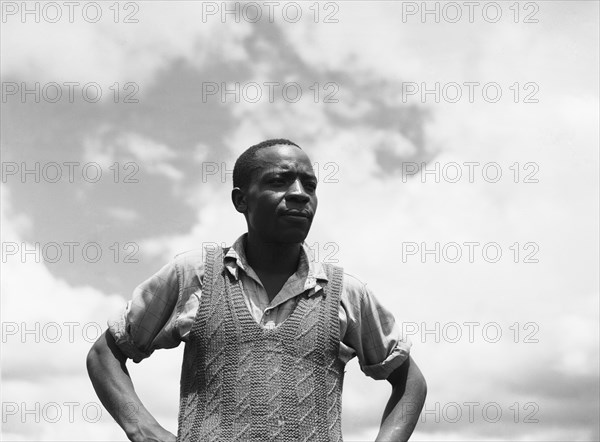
{"points": [[275, 189]]}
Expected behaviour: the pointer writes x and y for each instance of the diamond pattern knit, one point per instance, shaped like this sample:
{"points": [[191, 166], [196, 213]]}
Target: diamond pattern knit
{"points": [[243, 382]]}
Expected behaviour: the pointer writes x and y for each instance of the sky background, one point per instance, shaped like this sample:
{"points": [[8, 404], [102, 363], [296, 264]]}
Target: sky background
{"points": [[165, 146]]}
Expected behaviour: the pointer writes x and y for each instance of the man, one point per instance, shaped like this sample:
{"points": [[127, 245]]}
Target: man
{"points": [[267, 329]]}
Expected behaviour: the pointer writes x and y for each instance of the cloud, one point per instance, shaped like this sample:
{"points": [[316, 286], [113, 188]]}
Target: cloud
{"points": [[369, 210], [48, 326], [152, 155], [123, 51], [123, 214]]}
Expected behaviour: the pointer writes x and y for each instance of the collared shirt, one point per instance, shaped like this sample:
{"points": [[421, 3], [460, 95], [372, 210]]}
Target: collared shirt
{"points": [[163, 309]]}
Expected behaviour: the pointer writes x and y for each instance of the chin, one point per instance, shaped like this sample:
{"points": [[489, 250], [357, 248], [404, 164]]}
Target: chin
{"points": [[292, 237]]}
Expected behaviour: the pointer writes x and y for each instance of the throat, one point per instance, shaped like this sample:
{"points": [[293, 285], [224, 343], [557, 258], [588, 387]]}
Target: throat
{"points": [[272, 258], [273, 283], [273, 263]]}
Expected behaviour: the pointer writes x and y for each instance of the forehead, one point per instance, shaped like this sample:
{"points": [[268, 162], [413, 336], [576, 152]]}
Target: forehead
{"points": [[283, 157]]}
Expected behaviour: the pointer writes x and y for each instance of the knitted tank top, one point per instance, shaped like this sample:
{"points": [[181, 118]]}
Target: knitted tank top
{"points": [[240, 381]]}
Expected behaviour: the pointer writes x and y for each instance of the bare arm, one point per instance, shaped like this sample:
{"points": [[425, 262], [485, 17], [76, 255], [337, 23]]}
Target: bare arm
{"points": [[110, 377], [406, 401]]}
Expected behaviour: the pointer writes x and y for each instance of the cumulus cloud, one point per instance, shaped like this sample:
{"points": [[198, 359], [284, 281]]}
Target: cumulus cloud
{"points": [[368, 208], [105, 52], [48, 326]]}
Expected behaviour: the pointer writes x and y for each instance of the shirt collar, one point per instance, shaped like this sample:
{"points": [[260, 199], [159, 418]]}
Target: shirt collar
{"points": [[310, 270]]}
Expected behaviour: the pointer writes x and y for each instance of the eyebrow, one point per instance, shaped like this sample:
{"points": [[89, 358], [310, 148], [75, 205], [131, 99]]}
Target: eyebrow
{"points": [[287, 173]]}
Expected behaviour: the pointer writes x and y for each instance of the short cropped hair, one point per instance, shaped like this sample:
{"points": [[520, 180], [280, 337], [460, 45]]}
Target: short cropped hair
{"points": [[247, 162]]}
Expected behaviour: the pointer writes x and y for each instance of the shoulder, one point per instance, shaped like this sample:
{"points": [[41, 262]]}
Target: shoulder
{"points": [[190, 257], [359, 297], [192, 254], [353, 283], [354, 290], [189, 263], [352, 287]]}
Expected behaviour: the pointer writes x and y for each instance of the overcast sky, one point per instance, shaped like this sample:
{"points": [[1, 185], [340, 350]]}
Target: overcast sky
{"points": [[457, 153]]}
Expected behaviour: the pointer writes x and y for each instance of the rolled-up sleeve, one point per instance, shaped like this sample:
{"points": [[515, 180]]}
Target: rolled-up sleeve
{"points": [[149, 320], [372, 331]]}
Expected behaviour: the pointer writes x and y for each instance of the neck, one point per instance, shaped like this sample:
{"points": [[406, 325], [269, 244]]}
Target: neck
{"points": [[272, 257]]}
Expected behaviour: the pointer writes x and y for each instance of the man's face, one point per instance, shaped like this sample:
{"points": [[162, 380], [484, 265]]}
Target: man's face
{"points": [[281, 199]]}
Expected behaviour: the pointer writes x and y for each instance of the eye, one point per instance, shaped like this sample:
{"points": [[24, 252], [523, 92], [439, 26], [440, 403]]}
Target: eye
{"points": [[278, 181], [311, 185]]}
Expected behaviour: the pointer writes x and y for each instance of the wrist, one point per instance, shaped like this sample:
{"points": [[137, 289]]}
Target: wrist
{"points": [[137, 427], [150, 432]]}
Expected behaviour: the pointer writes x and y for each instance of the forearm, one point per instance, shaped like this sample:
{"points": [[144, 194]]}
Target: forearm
{"points": [[404, 406], [113, 385]]}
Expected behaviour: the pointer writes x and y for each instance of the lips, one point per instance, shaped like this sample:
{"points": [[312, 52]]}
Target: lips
{"points": [[296, 214]]}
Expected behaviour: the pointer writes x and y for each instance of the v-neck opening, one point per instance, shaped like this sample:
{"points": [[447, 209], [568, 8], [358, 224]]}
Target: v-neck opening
{"points": [[235, 296]]}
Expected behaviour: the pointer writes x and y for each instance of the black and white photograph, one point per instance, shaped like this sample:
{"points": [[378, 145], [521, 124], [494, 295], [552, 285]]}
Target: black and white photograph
{"points": [[300, 220]]}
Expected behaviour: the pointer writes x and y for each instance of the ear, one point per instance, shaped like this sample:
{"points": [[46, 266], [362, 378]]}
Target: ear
{"points": [[238, 197]]}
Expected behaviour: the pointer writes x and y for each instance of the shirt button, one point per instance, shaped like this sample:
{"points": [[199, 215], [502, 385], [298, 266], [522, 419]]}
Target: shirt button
{"points": [[267, 312]]}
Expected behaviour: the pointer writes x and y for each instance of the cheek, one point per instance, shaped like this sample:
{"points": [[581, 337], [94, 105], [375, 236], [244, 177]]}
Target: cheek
{"points": [[268, 203], [264, 210]]}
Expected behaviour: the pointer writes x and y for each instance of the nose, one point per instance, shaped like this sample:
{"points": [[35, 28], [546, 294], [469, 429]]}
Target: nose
{"points": [[296, 192]]}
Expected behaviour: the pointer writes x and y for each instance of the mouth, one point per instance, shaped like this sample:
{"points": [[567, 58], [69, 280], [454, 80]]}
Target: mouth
{"points": [[296, 214]]}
